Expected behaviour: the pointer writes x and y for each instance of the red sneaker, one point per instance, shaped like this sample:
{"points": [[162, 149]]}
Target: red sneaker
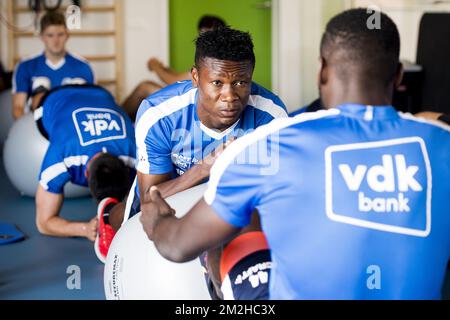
{"points": [[105, 232]]}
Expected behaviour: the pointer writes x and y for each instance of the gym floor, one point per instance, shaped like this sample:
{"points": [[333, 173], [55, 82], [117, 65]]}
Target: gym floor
{"points": [[36, 268]]}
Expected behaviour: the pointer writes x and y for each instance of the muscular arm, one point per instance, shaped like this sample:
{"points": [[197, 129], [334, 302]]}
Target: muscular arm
{"points": [[184, 239], [18, 107], [189, 179], [48, 207], [168, 186]]}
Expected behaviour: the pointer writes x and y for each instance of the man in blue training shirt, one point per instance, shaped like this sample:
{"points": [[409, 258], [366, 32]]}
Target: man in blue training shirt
{"points": [[181, 129], [358, 206], [53, 68], [91, 144]]}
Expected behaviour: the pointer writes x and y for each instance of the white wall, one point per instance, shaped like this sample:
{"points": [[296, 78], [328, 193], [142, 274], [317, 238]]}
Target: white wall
{"points": [[298, 27], [146, 35]]}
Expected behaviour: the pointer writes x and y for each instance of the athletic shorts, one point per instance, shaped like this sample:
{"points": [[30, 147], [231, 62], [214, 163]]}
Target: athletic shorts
{"points": [[245, 268]]}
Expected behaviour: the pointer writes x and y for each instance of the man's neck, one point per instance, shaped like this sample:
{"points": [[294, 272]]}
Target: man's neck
{"points": [[354, 93], [55, 58]]}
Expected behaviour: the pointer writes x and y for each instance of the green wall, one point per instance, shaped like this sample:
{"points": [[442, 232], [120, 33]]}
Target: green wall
{"points": [[239, 14]]}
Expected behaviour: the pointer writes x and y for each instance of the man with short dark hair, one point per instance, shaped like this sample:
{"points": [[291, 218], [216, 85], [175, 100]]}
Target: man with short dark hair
{"points": [[53, 68], [358, 206], [181, 130], [164, 73], [91, 144]]}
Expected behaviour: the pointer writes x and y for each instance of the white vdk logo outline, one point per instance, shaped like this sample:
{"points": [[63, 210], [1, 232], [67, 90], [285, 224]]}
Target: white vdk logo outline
{"points": [[95, 128], [405, 182]]}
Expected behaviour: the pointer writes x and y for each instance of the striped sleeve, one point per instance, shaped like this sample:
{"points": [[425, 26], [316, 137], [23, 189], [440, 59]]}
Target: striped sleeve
{"points": [[54, 174], [153, 136]]}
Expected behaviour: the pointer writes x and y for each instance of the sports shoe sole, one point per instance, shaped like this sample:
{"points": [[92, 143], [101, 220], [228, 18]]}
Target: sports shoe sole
{"points": [[97, 238]]}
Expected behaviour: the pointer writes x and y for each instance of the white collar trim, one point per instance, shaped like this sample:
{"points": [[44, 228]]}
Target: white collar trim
{"points": [[55, 66], [216, 134]]}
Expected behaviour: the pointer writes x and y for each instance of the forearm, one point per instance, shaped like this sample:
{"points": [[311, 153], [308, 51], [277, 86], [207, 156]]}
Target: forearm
{"points": [[19, 101], [59, 227], [189, 179], [18, 112], [183, 239], [171, 243], [48, 221]]}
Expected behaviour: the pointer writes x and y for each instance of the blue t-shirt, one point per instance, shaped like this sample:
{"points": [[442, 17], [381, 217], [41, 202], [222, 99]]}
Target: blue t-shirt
{"points": [[353, 202], [170, 137], [39, 71], [82, 121]]}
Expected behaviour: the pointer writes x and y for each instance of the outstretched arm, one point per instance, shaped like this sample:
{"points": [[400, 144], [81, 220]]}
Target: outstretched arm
{"points": [[184, 239], [48, 207], [18, 108]]}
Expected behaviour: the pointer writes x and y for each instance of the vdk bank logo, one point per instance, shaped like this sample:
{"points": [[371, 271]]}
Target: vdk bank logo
{"points": [[95, 125], [383, 185]]}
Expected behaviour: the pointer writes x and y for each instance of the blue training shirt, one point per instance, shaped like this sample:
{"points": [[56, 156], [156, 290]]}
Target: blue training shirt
{"points": [[353, 202], [170, 137], [37, 71], [82, 121]]}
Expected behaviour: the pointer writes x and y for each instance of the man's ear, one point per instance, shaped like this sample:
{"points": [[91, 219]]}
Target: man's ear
{"points": [[323, 72], [195, 76], [399, 75]]}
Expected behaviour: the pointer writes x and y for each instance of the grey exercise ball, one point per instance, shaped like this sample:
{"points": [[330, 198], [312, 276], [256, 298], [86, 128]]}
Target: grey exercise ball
{"points": [[23, 153]]}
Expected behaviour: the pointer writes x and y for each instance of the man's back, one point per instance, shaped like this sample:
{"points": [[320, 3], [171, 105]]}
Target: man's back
{"points": [[365, 215], [371, 221], [80, 122]]}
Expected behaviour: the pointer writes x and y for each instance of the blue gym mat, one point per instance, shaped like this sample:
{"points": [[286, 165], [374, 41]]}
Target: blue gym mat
{"points": [[39, 267]]}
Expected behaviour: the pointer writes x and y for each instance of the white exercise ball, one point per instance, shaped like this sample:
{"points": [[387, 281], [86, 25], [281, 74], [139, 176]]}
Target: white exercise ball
{"points": [[6, 118], [135, 270], [23, 153]]}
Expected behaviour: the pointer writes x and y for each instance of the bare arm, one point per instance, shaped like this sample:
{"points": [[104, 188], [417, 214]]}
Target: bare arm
{"points": [[179, 240], [167, 75], [48, 206], [189, 179], [18, 107], [168, 186]]}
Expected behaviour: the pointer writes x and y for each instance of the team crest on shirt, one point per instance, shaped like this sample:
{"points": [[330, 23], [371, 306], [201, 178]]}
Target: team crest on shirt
{"points": [[183, 163], [95, 125], [384, 185]]}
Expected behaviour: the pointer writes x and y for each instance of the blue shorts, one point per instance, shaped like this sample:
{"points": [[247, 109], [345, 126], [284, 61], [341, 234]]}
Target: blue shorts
{"points": [[245, 265], [249, 279]]}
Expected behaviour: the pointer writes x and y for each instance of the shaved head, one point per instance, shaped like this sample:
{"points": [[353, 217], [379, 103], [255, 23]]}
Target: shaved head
{"points": [[356, 50]]}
